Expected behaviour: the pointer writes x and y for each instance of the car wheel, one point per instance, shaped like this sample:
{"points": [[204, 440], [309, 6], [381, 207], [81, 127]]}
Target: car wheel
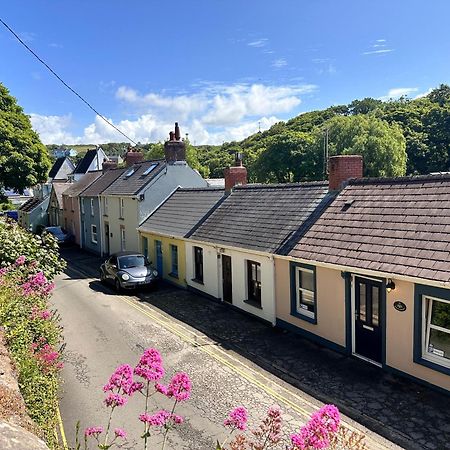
{"points": [[118, 286]]}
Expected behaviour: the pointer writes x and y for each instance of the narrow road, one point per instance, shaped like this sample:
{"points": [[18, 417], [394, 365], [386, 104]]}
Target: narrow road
{"points": [[103, 330]]}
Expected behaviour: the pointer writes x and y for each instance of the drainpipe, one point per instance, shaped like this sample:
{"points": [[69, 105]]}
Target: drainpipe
{"points": [[100, 213]]}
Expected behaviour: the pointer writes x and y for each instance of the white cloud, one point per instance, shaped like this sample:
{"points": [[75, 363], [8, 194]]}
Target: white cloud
{"points": [[278, 63], [398, 92], [378, 47], [258, 43], [424, 94], [211, 115], [55, 45], [377, 52]]}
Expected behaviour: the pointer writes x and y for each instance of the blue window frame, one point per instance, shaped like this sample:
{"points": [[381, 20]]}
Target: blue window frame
{"points": [[432, 327], [303, 292]]}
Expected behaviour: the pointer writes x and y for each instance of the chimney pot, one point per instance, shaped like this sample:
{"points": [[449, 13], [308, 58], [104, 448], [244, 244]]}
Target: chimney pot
{"points": [[177, 131], [175, 148], [108, 165], [235, 176], [342, 168], [133, 156]]}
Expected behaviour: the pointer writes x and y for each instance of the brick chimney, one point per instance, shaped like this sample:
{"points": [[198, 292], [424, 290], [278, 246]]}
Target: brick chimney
{"points": [[108, 165], [342, 168], [133, 156], [235, 175], [175, 148]]}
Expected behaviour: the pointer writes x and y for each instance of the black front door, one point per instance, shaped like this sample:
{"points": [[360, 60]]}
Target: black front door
{"points": [[368, 318], [227, 284]]}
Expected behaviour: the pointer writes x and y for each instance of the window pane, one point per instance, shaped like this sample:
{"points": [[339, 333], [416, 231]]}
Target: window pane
{"points": [[362, 301], [306, 280], [440, 315], [375, 305], [258, 273], [306, 300], [439, 343]]}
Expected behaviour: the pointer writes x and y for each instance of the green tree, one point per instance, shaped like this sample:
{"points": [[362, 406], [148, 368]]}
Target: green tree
{"points": [[24, 160], [381, 145]]}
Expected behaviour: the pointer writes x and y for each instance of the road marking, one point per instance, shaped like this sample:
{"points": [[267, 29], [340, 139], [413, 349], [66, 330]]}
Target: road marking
{"points": [[212, 351], [61, 429]]}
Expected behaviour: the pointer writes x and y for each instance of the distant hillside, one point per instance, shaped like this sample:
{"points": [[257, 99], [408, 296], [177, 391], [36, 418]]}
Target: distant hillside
{"points": [[395, 137]]}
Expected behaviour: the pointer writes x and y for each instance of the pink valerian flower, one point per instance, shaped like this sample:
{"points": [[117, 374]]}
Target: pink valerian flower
{"points": [[45, 314], [47, 356], [20, 261], [113, 400], [37, 284], [150, 365], [119, 433], [93, 431], [237, 419], [122, 380], [161, 418], [316, 433], [178, 388]]}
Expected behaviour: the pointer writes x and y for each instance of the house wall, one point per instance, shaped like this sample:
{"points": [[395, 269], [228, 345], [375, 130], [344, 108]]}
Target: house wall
{"points": [[166, 242], [330, 311], [400, 337], [332, 328], [38, 216], [71, 216], [212, 267], [129, 222], [86, 221]]}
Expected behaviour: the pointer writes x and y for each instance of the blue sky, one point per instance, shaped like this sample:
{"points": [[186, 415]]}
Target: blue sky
{"points": [[222, 68]]}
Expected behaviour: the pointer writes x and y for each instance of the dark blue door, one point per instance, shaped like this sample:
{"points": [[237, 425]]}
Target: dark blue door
{"points": [[159, 258]]}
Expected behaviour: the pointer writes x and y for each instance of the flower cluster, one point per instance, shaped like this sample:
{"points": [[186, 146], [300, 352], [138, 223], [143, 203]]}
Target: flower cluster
{"points": [[316, 433], [150, 365], [46, 355], [161, 418], [93, 431], [237, 419], [37, 284], [122, 380], [178, 388]]}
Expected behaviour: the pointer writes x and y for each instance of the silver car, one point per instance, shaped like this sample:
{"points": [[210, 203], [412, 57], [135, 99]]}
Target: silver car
{"points": [[128, 270]]}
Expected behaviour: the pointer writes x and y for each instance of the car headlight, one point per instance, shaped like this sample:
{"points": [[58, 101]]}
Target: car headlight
{"points": [[125, 277], [155, 273]]}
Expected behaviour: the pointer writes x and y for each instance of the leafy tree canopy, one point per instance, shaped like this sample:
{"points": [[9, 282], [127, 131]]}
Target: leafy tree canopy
{"points": [[24, 160]]}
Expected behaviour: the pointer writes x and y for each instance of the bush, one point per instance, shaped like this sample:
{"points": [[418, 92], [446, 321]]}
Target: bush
{"points": [[33, 337], [44, 250]]}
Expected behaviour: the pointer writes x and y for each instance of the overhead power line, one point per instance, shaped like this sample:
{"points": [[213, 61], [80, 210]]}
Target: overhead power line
{"points": [[63, 82]]}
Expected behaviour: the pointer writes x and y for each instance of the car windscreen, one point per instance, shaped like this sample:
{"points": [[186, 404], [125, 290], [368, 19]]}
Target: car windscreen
{"points": [[127, 262]]}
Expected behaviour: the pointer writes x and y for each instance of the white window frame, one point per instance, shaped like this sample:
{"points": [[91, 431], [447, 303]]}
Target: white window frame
{"points": [[121, 207], [82, 205], [298, 288], [92, 206], [105, 206], [122, 239], [427, 326], [94, 234]]}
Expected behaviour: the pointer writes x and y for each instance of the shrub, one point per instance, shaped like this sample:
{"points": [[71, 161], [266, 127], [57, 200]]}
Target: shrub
{"points": [[44, 250], [33, 335]]}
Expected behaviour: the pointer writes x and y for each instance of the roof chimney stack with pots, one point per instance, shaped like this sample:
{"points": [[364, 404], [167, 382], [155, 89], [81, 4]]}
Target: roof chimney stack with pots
{"points": [[175, 148], [133, 156], [342, 168], [235, 176], [108, 165]]}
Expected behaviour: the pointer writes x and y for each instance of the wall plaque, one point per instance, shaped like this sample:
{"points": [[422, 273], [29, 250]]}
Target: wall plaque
{"points": [[399, 306]]}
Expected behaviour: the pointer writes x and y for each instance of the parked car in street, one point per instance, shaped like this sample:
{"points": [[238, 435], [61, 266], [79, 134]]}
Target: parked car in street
{"points": [[128, 270], [61, 235]]}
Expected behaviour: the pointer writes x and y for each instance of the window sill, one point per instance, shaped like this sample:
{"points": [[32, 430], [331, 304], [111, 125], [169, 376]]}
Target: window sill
{"points": [[195, 280], [173, 275], [312, 320], [432, 365], [253, 303], [121, 218]]}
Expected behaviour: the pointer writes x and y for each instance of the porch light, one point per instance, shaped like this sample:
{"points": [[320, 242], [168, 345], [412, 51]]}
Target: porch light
{"points": [[390, 285]]}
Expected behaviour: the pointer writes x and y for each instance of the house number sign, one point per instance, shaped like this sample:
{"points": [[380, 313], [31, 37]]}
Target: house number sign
{"points": [[399, 306]]}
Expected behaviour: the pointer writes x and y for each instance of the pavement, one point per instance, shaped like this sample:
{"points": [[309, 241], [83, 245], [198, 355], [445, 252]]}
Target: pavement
{"points": [[300, 375]]}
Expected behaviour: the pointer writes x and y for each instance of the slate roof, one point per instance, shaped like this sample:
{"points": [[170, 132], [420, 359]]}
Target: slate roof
{"points": [[79, 186], [85, 162], [31, 204], [182, 210], [57, 165], [59, 188], [398, 226], [263, 217], [101, 183], [134, 183]]}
